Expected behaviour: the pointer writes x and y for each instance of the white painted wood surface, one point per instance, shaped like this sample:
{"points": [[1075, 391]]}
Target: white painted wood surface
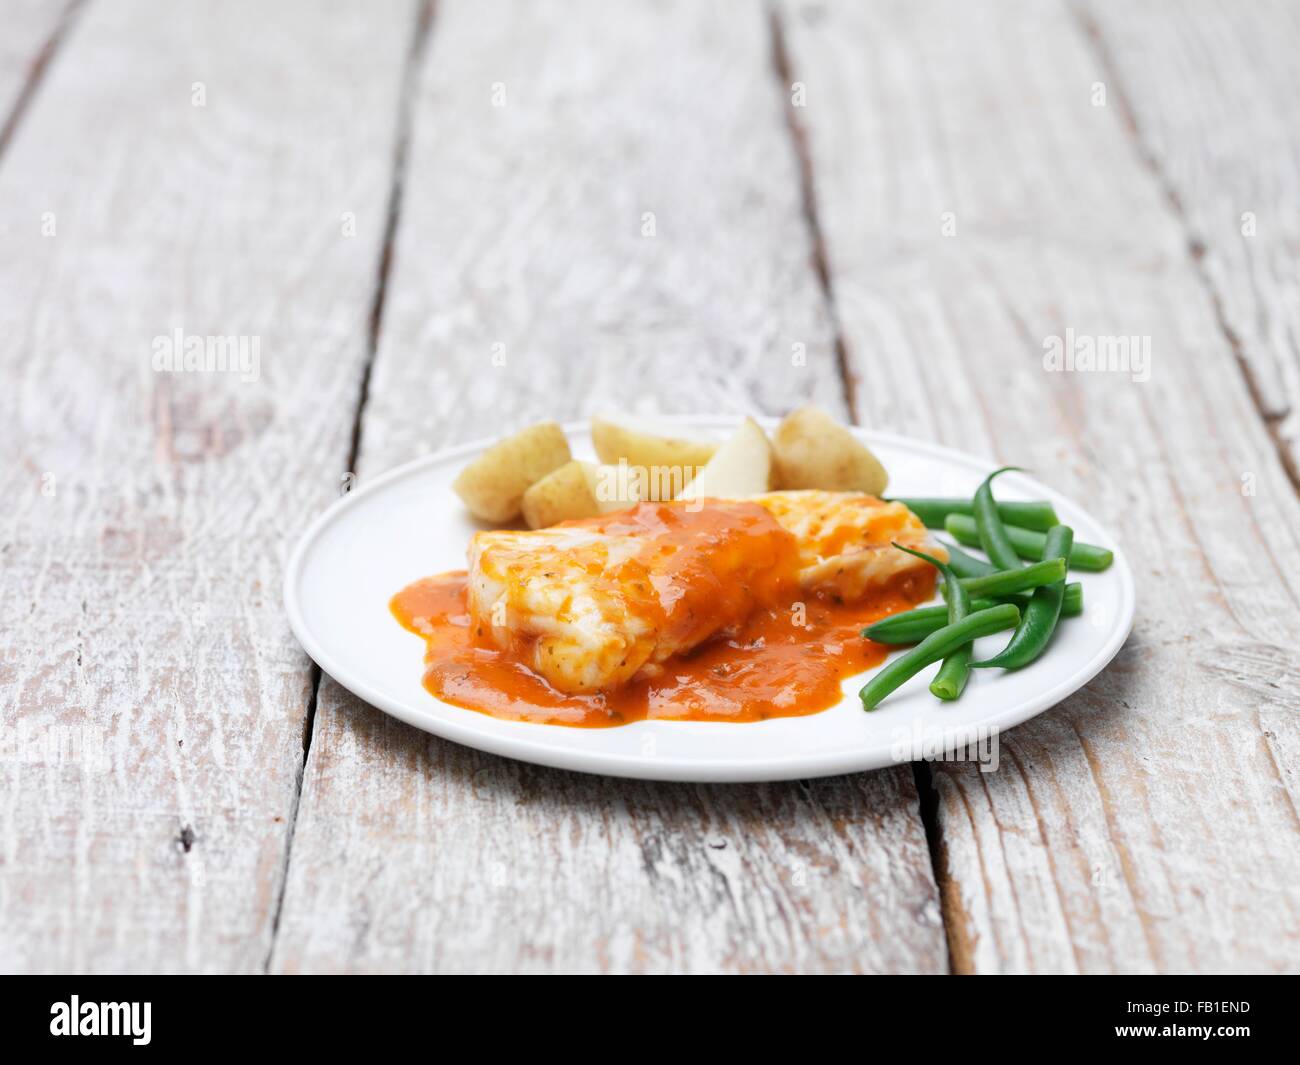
{"points": [[1211, 91], [153, 699], [1149, 822], [155, 814], [523, 225], [31, 35]]}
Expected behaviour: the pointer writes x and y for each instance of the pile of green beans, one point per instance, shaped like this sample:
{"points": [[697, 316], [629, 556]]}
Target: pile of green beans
{"points": [[1024, 586]]}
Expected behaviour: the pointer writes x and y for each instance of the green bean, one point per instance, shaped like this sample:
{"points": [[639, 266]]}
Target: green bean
{"points": [[936, 646], [1071, 606], [1029, 544], [950, 681], [1037, 514], [1039, 619], [955, 671], [1010, 581], [965, 565], [992, 532], [913, 626]]}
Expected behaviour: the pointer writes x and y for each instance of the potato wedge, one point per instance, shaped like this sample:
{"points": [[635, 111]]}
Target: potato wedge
{"points": [[665, 458], [561, 495], [493, 485], [813, 450], [741, 467]]}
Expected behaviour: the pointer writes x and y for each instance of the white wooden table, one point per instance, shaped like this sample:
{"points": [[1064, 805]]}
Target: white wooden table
{"points": [[642, 205]]}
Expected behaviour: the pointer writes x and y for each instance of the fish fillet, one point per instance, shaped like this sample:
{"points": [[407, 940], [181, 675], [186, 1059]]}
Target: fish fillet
{"points": [[590, 604], [845, 540]]}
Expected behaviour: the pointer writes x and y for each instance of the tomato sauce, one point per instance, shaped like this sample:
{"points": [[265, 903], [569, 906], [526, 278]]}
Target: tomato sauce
{"points": [[782, 662]]}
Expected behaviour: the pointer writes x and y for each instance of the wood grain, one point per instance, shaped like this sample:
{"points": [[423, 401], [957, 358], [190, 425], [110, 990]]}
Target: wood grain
{"points": [[522, 225], [153, 699], [33, 30], [1149, 822], [1210, 90]]}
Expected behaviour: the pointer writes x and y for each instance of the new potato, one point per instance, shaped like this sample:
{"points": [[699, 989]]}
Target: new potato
{"points": [[622, 439], [561, 495], [577, 490], [493, 485], [742, 466], [812, 450]]}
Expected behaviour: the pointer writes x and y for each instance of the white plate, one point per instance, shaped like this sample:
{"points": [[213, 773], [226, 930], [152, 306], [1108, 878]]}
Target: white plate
{"points": [[408, 524]]}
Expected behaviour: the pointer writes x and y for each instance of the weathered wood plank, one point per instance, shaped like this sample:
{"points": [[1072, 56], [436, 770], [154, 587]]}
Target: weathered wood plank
{"points": [[153, 698], [1149, 822], [32, 29], [1211, 90], [522, 225]]}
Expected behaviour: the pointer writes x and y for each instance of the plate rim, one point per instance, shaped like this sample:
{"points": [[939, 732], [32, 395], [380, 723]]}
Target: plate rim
{"points": [[799, 767]]}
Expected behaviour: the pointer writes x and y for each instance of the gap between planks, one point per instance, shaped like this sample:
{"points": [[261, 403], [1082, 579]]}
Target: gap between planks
{"points": [[1093, 35], [36, 72], [410, 82], [808, 198], [927, 800]]}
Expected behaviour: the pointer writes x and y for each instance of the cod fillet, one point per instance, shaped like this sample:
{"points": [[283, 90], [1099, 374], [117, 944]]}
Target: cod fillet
{"points": [[592, 603]]}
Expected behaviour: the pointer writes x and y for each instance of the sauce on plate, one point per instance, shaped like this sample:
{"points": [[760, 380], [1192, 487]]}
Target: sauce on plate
{"points": [[786, 661]]}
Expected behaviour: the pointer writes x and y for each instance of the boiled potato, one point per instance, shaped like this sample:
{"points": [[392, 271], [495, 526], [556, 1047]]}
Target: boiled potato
{"points": [[561, 495], [663, 457], [493, 485], [741, 467], [579, 490], [813, 450]]}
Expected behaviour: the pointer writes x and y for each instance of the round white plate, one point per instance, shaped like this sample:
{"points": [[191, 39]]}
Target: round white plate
{"points": [[409, 524]]}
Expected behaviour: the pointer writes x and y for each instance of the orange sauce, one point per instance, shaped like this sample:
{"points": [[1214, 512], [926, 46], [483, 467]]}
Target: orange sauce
{"points": [[767, 666]]}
